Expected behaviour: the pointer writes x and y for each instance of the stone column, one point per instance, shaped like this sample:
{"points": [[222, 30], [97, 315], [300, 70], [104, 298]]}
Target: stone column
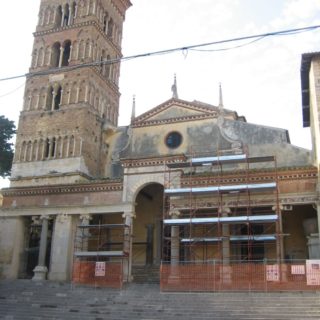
{"points": [[313, 235], [225, 237], [175, 249], [84, 221], [40, 271], [70, 15], [61, 56], [279, 231], [62, 248], [225, 228], [127, 246], [54, 93], [318, 219], [62, 19]]}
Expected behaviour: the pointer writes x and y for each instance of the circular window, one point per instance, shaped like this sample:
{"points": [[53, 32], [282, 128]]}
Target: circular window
{"points": [[173, 140]]}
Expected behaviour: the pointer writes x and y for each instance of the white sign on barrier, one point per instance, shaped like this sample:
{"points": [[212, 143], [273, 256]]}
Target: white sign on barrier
{"points": [[298, 269], [313, 272], [273, 273], [100, 270]]}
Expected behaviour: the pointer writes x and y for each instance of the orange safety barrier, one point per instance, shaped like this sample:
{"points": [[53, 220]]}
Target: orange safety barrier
{"points": [[103, 275], [240, 277]]}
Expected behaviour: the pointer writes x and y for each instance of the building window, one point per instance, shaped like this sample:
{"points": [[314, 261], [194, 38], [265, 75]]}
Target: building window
{"points": [[55, 55], [66, 15], [57, 99], [173, 140], [58, 17], [66, 53]]}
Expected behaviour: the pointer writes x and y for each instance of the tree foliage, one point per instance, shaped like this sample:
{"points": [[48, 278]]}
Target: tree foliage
{"points": [[7, 130]]}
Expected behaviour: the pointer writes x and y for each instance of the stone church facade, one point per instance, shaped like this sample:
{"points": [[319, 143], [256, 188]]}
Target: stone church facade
{"points": [[184, 183]]}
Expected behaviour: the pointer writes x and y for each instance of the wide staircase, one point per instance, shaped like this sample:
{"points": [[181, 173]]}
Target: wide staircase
{"points": [[25, 299]]}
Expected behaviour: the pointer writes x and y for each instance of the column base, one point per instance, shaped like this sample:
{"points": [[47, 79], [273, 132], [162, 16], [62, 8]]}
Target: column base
{"points": [[40, 273], [174, 276]]}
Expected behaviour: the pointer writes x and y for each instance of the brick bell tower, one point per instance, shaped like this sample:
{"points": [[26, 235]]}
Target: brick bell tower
{"points": [[69, 101]]}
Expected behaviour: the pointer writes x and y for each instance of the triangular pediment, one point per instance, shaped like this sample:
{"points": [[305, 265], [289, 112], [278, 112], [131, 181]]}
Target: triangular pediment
{"points": [[176, 110]]}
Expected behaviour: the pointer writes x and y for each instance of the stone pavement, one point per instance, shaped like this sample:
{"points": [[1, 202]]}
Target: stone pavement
{"points": [[25, 299]]}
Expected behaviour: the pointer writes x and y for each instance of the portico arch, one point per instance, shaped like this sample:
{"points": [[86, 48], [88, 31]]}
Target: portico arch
{"points": [[146, 249]]}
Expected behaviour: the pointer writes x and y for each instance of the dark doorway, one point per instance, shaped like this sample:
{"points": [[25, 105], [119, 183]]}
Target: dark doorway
{"points": [[147, 226], [33, 245]]}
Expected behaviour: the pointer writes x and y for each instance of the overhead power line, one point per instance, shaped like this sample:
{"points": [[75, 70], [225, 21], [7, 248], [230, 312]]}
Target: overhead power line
{"points": [[195, 47]]}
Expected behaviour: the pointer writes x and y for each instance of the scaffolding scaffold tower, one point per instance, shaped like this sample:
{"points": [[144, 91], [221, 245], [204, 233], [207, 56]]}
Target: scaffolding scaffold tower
{"points": [[221, 209], [101, 254]]}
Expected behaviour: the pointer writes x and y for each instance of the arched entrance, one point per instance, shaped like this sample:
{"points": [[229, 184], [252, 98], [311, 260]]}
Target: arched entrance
{"points": [[146, 245]]}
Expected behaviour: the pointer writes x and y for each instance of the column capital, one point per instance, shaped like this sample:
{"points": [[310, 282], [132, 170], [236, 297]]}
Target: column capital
{"points": [[280, 207], [174, 214], [224, 210], [129, 214], [85, 218], [45, 217], [62, 217]]}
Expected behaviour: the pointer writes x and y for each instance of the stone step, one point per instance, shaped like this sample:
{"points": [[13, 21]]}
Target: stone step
{"points": [[48, 300]]}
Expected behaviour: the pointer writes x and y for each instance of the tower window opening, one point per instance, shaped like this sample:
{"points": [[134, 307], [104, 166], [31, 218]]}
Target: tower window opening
{"points": [[74, 10], [55, 55], [110, 28], [59, 17], [49, 99], [108, 67], [66, 16], [57, 99], [53, 147], [47, 149], [105, 24], [66, 53]]}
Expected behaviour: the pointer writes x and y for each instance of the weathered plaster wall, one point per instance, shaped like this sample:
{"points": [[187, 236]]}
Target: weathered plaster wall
{"points": [[11, 246]]}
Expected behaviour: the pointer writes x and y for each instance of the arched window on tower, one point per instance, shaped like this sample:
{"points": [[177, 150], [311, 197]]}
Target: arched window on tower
{"points": [[74, 11], [34, 61], [105, 23], [48, 105], [102, 63], [108, 68], [110, 28], [47, 149], [55, 55], [57, 98], [58, 17], [53, 148], [66, 15], [66, 53]]}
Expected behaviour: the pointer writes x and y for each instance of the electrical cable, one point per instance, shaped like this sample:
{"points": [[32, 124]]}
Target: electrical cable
{"points": [[13, 91], [257, 37]]}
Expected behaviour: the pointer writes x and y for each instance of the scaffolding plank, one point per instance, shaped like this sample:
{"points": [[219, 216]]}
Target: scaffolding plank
{"points": [[238, 219], [266, 237], [204, 161], [221, 189], [115, 225], [99, 254], [220, 159]]}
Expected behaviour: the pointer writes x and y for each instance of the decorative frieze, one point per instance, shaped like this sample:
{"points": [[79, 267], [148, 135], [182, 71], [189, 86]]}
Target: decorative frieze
{"points": [[116, 186]]}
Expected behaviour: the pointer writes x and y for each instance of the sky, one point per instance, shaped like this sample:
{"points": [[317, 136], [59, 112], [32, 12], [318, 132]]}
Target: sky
{"points": [[260, 80]]}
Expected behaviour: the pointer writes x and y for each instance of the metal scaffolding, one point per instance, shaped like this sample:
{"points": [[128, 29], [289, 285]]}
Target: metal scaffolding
{"points": [[212, 212], [100, 254]]}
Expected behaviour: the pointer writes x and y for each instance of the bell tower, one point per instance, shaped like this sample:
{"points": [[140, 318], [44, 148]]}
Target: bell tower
{"points": [[71, 92]]}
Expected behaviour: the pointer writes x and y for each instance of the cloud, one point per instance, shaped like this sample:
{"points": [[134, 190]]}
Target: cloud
{"points": [[298, 12]]}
